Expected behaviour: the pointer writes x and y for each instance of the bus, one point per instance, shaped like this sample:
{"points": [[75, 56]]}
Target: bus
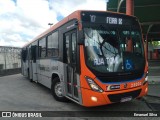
{"points": [[90, 57]]}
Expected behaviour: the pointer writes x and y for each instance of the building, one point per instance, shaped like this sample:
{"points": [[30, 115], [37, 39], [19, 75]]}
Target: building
{"points": [[10, 60]]}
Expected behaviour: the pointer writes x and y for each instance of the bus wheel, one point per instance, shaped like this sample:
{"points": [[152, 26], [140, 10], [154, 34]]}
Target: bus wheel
{"points": [[56, 90]]}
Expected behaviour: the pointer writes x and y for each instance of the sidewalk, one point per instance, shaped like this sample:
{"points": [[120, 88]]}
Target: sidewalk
{"points": [[154, 90], [154, 78], [154, 86]]}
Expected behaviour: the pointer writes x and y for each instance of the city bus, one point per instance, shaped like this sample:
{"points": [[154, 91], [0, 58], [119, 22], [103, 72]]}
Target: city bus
{"points": [[90, 57]]}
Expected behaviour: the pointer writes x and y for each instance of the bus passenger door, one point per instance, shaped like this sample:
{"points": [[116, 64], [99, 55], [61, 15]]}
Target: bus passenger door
{"points": [[30, 72], [70, 53], [33, 62]]}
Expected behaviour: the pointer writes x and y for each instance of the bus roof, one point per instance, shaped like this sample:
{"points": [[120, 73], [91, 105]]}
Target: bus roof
{"points": [[74, 15]]}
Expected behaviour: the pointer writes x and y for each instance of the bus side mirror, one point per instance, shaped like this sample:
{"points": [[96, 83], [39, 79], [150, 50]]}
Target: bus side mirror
{"points": [[80, 37]]}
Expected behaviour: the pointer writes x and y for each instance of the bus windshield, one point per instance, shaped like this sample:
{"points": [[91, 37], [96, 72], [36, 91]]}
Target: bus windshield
{"points": [[113, 49]]}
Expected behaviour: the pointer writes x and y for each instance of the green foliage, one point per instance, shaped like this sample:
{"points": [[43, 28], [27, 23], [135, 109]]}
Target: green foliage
{"points": [[156, 43]]}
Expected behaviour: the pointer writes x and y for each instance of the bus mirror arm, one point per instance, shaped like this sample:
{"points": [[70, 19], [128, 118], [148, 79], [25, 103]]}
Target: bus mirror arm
{"points": [[81, 38]]}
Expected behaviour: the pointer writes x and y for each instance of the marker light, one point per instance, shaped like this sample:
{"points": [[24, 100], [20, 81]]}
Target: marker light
{"points": [[146, 78], [93, 85], [94, 99]]}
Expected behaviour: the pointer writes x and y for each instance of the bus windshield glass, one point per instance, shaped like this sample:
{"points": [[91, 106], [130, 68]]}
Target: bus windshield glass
{"points": [[113, 49]]}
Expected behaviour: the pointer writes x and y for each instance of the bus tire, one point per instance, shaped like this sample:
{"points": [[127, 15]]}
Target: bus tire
{"points": [[56, 90]]}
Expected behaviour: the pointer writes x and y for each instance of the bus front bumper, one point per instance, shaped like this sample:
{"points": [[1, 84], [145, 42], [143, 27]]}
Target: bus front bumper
{"points": [[91, 98]]}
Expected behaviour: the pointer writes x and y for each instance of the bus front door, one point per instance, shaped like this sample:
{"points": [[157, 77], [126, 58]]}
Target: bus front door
{"points": [[70, 53], [33, 62], [30, 71]]}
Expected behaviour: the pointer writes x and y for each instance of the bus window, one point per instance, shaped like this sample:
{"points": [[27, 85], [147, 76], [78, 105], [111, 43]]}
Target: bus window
{"points": [[49, 46], [67, 49], [73, 47], [24, 55], [42, 48], [33, 53], [52, 45]]}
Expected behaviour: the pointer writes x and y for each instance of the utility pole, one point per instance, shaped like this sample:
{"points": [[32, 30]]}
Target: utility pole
{"points": [[130, 7]]}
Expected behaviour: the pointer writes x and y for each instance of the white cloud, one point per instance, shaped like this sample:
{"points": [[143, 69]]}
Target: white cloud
{"points": [[6, 6], [23, 20], [65, 7], [37, 11]]}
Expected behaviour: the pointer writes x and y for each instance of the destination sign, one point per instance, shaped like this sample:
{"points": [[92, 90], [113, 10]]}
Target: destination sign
{"points": [[113, 20], [108, 18]]}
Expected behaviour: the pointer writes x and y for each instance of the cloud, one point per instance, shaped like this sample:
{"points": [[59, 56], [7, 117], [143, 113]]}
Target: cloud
{"points": [[23, 20], [6, 6], [65, 7]]}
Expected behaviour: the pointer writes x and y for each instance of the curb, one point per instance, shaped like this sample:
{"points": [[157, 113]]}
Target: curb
{"points": [[153, 82], [154, 67], [158, 97], [154, 79], [148, 104]]}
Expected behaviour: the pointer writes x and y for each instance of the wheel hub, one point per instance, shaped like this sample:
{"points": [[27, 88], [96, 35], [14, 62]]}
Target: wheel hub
{"points": [[58, 90]]}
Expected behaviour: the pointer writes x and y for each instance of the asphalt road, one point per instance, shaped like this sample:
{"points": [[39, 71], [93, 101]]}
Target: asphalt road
{"points": [[18, 94], [154, 68]]}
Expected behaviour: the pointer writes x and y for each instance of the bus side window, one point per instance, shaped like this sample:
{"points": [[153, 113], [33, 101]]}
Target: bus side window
{"points": [[67, 49], [42, 48], [74, 47], [52, 45], [24, 55], [39, 51], [33, 53], [49, 46]]}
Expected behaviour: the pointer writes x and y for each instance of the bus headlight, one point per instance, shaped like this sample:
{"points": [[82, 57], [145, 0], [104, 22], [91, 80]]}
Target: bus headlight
{"points": [[146, 78], [93, 85]]}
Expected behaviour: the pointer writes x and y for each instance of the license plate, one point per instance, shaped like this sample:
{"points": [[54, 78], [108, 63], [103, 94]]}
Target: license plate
{"points": [[125, 99]]}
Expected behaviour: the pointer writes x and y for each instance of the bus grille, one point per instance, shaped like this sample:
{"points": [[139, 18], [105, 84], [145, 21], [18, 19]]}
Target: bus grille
{"points": [[118, 97], [120, 78]]}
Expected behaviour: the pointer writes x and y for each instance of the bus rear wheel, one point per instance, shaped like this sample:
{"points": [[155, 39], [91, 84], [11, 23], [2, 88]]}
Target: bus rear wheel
{"points": [[56, 90]]}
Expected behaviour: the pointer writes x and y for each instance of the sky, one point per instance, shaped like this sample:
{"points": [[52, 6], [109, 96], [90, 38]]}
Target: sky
{"points": [[23, 20]]}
